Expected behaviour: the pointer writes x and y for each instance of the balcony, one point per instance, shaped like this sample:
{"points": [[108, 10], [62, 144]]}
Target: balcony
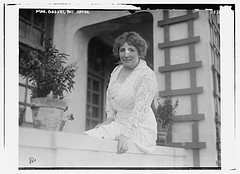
{"points": [[39, 148]]}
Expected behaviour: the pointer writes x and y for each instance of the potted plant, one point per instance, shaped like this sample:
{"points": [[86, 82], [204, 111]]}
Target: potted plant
{"points": [[49, 77], [164, 113]]}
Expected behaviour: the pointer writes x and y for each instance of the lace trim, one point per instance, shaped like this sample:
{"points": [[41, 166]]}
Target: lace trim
{"points": [[145, 89]]}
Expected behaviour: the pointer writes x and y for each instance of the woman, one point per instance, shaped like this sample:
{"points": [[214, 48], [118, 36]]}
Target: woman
{"points": [[130, 93]]}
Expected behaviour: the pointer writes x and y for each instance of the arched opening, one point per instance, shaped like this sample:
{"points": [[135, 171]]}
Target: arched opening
{"points": [[101, 61], [100, 65]]}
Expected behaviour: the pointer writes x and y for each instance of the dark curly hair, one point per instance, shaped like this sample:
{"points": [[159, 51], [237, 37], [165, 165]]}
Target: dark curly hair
{"points": [[132, 38]]}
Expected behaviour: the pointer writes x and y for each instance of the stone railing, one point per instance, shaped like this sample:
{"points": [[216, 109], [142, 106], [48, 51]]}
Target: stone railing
{"points": [[39, 148]]}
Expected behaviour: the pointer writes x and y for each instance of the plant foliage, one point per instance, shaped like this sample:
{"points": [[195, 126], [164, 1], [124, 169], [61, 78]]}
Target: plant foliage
{"points": [[47, 71], [164, 113]]}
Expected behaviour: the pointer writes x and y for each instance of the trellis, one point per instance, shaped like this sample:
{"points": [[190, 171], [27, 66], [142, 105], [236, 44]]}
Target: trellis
{"points": [[194, 90]]}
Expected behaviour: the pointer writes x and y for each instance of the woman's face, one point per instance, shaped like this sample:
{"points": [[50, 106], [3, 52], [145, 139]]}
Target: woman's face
{"points": [[129, 55]]}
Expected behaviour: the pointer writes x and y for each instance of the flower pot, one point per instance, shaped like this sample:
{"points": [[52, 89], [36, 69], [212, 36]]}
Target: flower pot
{"points": [[47, 113], [162, 138]]}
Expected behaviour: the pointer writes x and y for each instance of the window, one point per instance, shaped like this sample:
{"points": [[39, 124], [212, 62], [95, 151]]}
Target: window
{"points": [[94, 101], [33, 28]]}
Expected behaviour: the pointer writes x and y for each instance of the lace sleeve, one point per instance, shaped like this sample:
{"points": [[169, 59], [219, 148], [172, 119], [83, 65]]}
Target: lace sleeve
{"points": [[145, 90]]}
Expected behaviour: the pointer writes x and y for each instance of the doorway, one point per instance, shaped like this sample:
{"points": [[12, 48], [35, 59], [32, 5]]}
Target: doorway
{"points": [[100, 65]]}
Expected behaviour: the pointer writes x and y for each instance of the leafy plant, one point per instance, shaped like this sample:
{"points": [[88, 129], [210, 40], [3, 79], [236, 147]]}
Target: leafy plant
{"points": [[164, 114], [47, 70]]}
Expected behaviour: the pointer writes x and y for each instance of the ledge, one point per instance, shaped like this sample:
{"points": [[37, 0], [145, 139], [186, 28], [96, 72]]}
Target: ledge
{"points": [[179, 67], [190, 117], [60, 149], [178, 19], [179, 42], [179, 92], [189, 145]]}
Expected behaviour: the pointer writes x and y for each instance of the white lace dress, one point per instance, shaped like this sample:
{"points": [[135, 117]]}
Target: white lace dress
{"points": [[129, 103]]}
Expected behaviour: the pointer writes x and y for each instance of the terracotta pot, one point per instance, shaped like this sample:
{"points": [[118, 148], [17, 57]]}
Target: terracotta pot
{"points": [[162, 138], [47, 113]]}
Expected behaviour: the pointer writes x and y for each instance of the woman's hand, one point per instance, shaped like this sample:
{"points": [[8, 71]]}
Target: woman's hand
{"points": [[107, 121], [122, 143]]}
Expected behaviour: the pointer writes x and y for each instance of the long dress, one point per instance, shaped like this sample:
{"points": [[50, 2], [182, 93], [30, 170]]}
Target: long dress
{"points": [[129, 103]]}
